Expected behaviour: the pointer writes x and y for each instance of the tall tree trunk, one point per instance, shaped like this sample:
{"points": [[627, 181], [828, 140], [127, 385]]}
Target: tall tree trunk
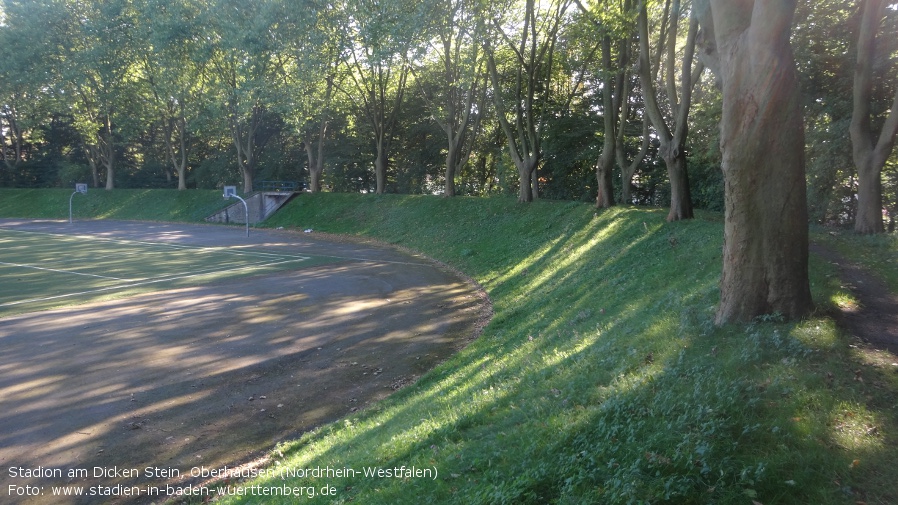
{"points": [[177, 126], [868, 219], [526, 167], [765, 255], [680, 195], [316, 160], [110, 176], [605, 166], [673, 140], [15, 142], [93, 156], [106, 143], [451, 162], [870, 154], [380, 165], [605, 195], [244, 138], [628, 170]]}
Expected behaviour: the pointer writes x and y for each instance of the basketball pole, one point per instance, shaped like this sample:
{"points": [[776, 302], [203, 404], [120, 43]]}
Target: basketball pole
{"points": [[79, 188], [231, 192]]}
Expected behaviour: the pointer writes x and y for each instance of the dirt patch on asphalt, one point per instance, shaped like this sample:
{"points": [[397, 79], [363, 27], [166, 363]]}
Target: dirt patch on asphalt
{"points": [[139, 392]]}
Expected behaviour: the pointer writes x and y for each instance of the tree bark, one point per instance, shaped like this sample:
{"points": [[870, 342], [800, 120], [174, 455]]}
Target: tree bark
{"points": [[765, 254], [380, 166], [16, 138], [673, 140], [680, 195], [244, 138], [177, 126], [605, 166], [870, 154], [315, 155]]}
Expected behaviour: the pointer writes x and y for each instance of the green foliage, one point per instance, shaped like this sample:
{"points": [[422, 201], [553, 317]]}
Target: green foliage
{"points": [[120, 84]]}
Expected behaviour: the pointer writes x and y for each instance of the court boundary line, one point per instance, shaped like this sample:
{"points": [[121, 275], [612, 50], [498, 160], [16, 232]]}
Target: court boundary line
{"points": [[146, 282], [223, 249], [72, 272]]}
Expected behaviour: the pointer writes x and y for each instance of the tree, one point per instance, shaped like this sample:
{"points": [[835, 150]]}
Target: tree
{"points": [[672, 136], [381, 44], [460, 91], [521, 94], [94, 52], [175, 75], [616, 31], [243, 50], [869, 152], [314, 41], [765, 255]]}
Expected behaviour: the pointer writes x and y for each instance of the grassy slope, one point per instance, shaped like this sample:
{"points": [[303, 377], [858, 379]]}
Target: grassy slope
{"points": [[878, 253], [136, 204], [601, 378]]}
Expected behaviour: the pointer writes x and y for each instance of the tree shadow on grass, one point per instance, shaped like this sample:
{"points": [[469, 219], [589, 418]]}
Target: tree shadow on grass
{"points": [[627, 393]]}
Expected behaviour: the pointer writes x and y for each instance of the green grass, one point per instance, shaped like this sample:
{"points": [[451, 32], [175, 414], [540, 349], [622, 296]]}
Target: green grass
{"points": [[130, 204], [601, 378], [878, 253]]}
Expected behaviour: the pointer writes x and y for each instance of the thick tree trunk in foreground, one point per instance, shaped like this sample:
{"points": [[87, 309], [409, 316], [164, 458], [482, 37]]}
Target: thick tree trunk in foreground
{"points": [[870, 154], [765, 254], [868, 219]]}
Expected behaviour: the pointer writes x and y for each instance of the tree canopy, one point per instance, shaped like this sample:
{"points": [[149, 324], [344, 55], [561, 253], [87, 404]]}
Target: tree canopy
{"points": [[584, 100]]}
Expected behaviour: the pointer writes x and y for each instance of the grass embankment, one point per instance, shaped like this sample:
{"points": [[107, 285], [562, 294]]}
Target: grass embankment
{"points": [[601, 378], [128, 204], [877, 253]]}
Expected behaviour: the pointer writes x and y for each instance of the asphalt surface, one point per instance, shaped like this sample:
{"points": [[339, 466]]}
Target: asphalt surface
{"points": [[138, 392]]}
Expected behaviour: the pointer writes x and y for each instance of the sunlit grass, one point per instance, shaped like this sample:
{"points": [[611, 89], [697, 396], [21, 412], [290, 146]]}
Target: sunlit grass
{"points": [[602, 378], [878, 253], [132, 204]]}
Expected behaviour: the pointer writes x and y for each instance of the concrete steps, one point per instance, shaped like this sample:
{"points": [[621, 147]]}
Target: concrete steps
{"points": [[260, 206]]}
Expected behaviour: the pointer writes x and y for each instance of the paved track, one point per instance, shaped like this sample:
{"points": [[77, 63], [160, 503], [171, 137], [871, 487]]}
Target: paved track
{"points": [[214, 375]]}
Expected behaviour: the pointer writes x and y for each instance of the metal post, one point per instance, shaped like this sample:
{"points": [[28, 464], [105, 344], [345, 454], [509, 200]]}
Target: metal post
{"points": [[70, 206], [245, 208], [79, 188]]}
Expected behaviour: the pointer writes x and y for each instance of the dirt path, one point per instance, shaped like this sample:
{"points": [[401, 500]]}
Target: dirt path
{"points": [[875, 321], [139, 392]]}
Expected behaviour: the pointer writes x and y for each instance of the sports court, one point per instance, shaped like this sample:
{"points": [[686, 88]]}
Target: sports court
{"points": [[43, 269], [133, 345]]}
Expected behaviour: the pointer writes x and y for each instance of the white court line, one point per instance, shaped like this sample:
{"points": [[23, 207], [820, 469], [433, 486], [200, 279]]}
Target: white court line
{"points": [[19, 265], [223, 249], [151, 281]]}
